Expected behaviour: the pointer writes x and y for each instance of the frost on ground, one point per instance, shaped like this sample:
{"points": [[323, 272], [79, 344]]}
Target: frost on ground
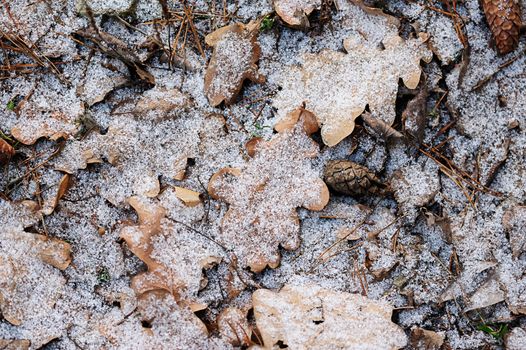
{"points": [[162, 176]]}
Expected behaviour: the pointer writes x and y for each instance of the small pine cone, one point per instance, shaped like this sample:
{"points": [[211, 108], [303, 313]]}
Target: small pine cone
{"points": [[6, 151], [353, 179], [504, 19]]}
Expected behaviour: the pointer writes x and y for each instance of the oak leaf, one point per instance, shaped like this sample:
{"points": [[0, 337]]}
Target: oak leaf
{"points": [[158, 323], [264, 195], [311, 317], [236, 52], [175, 255], [295, 12], [337, 87], [30, 283], [132, 147]]}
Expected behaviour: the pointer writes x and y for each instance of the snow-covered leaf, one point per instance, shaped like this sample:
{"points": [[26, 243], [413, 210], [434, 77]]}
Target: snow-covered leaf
{"points": [[236, 52], [295, 12], [337, 87], [175, 255], [264, 195], [132, 150], [311, 317]]}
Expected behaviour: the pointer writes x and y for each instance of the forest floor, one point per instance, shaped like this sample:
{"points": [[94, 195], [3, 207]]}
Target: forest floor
{"points": [[232, 174]]}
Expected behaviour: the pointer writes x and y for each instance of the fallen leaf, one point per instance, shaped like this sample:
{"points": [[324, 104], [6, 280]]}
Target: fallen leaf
{"points": [[174, 254], [425, 339], [414, 116], [6, 151], [30, 283], [189, 197], [233, 326], [489, 293], [311, 317], [337, 87], [514, 221], [380, 127], [99, 81], [515, 339], [158, 323], [295, 12], [161, 99], [54, 126], [14, 344], [236, 52], [414, 187], [264, 195], [62, 188], [133, 154]]}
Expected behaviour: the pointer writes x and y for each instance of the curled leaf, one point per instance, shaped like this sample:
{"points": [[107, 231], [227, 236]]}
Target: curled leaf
{"points": [[295, 12], [62, 188], [6, 151], [236, 53]]}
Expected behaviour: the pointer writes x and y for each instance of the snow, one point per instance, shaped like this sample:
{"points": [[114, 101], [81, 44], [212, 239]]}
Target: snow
{"points": [[148, 139]]}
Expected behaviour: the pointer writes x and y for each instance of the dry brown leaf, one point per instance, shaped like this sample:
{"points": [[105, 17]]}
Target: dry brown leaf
{"points": [[52, 111], [189, 197], [414, 187], [426, 340], [133, 154], [309, 121], [380, 127], [29, 281], [99, 81], [489, 293], [233, 326], [514, 221], [161, 99], [6, 151], [158, 323], [54, 126], [14, 344], [337, 87], [236, 53], [264, 195], [18, 215], [295, 12], [415, 115], [515, 339], [175, 255], [310, 317], [61, 190]]}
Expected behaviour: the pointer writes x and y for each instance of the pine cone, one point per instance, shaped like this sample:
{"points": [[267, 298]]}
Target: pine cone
{"points": [[504, 19], [353, 179]]}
